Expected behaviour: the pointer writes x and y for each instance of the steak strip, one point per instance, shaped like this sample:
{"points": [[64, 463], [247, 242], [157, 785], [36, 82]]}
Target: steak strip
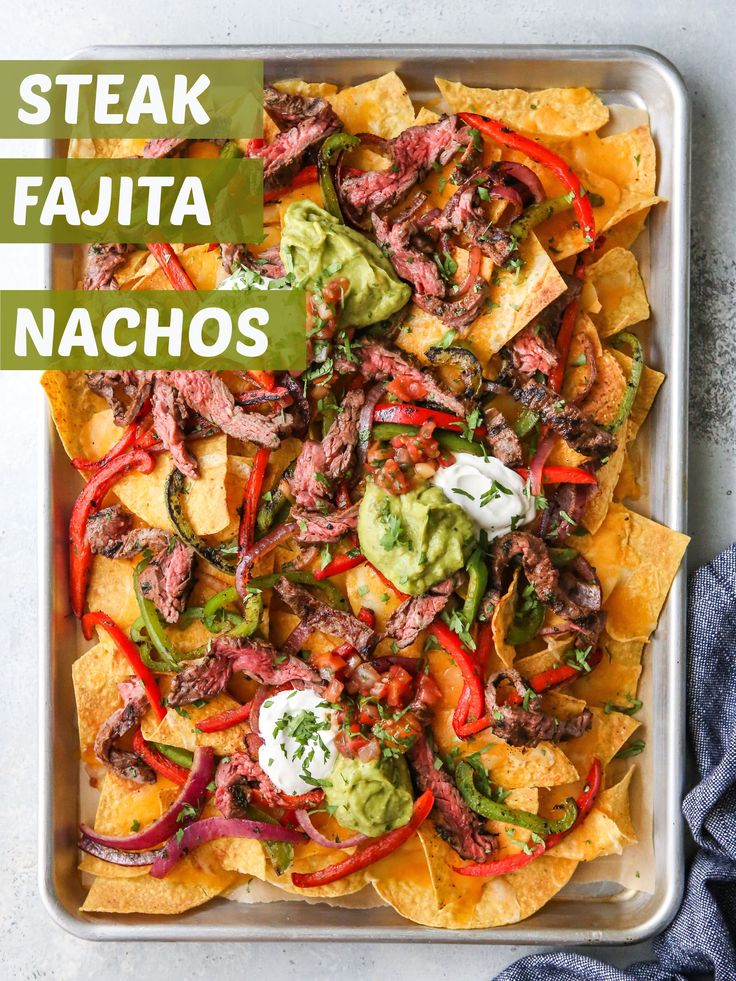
{"points": [[103, 261], [519, 726], [320, 616], [417, 613], [124, 391], [123, 762], [454, 821], [315, 527], [379, 363]]}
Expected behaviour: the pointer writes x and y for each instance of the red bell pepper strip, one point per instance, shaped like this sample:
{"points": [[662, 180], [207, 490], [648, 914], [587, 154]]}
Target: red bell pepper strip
{"points": [[415, 415], [584, 802], [262, 378], [542, 155], [129, 650], [372, 852], [87, 504], [551, 678], [561, 475], [366, 616], [225, 720], [471, 700], [387, 582], [158, 762], [341, 563], [247, 529], [255, 144], [484, 644], [307, 175], [137, 436], [170, 262], [564, 342], [293, 802]]}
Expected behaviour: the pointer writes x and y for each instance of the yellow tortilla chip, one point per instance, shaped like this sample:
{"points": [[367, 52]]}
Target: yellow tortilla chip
{"points": [[615, 680], [620, 290], [72, 403], [553, 113], [381, 106], [608, 476], [178, 728], [606, 736], [606, 830], [201, 264], [364, 588], [649, 385], [310, 90], [651, 560], [503, 617], [154, 896], [95, 675], [628, 488], [624, 233], [606, 549], [111, 590]]}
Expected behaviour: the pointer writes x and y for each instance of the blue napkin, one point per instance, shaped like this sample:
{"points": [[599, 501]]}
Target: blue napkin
{"points": [[701, 940]]}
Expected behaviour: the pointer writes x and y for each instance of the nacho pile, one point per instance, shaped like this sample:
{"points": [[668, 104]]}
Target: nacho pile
{"points": [[378, 629]]}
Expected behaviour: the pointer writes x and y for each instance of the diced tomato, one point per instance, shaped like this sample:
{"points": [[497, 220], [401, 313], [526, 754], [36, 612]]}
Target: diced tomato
{"points": [[399, 686], [406, 389]]}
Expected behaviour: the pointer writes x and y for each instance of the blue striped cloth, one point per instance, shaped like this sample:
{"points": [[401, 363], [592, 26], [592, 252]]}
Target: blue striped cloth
{"points": [[701, 941]]}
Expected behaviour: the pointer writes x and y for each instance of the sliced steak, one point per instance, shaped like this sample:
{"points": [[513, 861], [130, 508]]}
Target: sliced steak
{"points": [[533, 349], [156, 149], [453, 819], [569, 500], [414, 615], [167, 580], [169, 416], [464, 215], [308, 483], [209, 396], [124, 391], [208, 676], [380, 363], [519, 726], [410, 252], [502, 439], [267, 263], [107, 528], [315, 527], [122, 720], [237, 776], [103, 261], [305, 124], [460, 313], [413, 153], [341, 439], [320, 616]]}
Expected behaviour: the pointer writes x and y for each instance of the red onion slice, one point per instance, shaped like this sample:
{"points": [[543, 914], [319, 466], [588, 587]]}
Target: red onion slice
{"points": [[538, 461], [264, 545], [365, 422], [192, 794], [305, 823], [116, 856], [471, 275], [208, 829], [511, 195], [524, 175]]}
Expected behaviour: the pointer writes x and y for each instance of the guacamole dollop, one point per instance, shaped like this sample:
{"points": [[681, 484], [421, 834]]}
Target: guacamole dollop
{"points": [[316, 247], [415, 539], [371, 798]]}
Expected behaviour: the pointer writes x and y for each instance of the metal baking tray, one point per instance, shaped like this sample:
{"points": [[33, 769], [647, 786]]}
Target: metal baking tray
{"points": [[623, 75]]}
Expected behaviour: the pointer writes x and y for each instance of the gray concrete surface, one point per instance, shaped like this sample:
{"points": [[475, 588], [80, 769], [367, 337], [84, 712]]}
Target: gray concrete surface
{"points": [[699, 39]]}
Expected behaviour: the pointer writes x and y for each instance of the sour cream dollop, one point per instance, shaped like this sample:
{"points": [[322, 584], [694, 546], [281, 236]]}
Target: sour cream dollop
{"points": [[298, 739], [494, 497]]}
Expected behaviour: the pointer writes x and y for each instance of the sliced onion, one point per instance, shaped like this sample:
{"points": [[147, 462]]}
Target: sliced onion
{"points": [[305, 823], [301, 405], [410, 664], [208, 829], [511, 195], [117, 856], [370, 752], [365, 422], [525, 176], [538, 461], [471, 275], [192, 795], [264, 545]]}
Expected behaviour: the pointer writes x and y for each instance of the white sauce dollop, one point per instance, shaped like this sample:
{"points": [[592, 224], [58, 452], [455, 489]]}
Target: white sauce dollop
{"points": [[298, 738], [494, 497]]}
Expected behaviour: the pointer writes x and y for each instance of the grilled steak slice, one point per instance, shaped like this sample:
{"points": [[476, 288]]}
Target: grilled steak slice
{"points": [[237, 775], [124, 391], [412, 153], [156, 149], [533, 349], [208, 676], [268, 263], [502, 439], [339, 443], [122, 720], [577, 429], [519, 726], [107, 528], [380, 362], [103, 261], [410, 252], [320, 616], [305, 123], [459, 313], [454, 820], [315, 527], [464, 215], [209, 396], [169, 416], [570, 500], [414, 615], [167, 580], [308, 483]]}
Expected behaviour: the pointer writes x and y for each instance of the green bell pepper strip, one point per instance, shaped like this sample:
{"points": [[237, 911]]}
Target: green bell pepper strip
{"points": [[216, 555], [245, 625], [447, 440], [281, 853], [477, 581], [230, 151], [181, 756], [535, 214], [525, 628], [525, 423], [329, 152], [273, 508], [632, 382], [491, 809], [152, 622]]}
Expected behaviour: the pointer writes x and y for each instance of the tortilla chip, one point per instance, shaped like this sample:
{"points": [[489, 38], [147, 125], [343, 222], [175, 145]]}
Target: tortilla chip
{"points": [[95, 675], [651, 560], [111, 589], [364, 588], [606, 736], [72, 403], [624, 233], [606, 830], [608, 476], [200, 263], [153, 896], [178, 728], [381, 106], [551, 113], [620, 290], [606, 549], [628, 487], [615, 680], [649, 385], [310, 90], [503, 617], [604, 399]]}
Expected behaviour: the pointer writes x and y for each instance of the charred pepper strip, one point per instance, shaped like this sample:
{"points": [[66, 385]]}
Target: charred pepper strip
{"points": [[564, 342], [329, 152], [552, 677], [182, 757], [251, 497], [416, 415], [130, 652], [632, 382], [536, 213], [307, 175], [152, 622], [477, 581], [87, 504], [448, 441], [225, 720], [372, 852], [158, 761], [491, 809], [170, 262], [561, 475], [214, 554], [245, 625], [471, 701], [542, 155], [341, 563], [273, 504]]}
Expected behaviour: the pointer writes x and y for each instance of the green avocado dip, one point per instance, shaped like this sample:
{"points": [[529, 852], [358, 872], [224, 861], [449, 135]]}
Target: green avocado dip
{"points": [[316, 247], [415, 539], [371, 798]]}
